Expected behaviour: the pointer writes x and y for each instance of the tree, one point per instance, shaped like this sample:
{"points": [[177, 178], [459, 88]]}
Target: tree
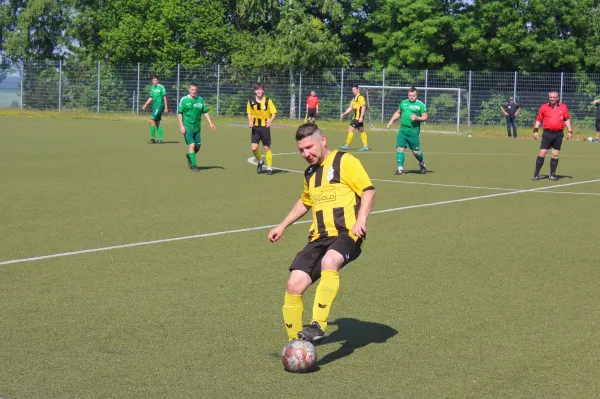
{"points": [[415, 34]]}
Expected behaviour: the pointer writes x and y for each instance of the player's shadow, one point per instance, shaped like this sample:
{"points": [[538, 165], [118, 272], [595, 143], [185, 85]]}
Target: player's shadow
{"points": [[355, 334], [276, 171], [170, 142], [417, 172], [542, 177], [209, 167]]}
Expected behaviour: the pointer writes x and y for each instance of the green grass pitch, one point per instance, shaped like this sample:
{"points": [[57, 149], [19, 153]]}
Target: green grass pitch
{"points": [[470, 285]]}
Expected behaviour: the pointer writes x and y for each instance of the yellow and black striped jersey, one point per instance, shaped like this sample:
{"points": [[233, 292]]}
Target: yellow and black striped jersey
{"points": [[357, 103], [260, 111], [333, 189]]}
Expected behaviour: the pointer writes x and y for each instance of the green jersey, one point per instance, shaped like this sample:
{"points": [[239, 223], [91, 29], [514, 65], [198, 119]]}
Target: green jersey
{"points": [[192, 110], [157, 93], [409, 108]]}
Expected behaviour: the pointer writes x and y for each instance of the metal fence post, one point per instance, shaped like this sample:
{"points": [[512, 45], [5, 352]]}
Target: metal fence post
{"points": [[515, 88], [469, 102], [382, 93], [458, 113], [218, 86], [22, 78], [562, 81], [342, 92], [177, 105], [300, 96], [426, 82], [137, 102], [98, 100], [59, 83], [133, 103]]}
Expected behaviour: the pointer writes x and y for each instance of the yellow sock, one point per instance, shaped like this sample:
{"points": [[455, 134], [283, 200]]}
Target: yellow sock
{"points": [[256, 155], [325, 295], [293, 307], [269, 158], [363, 138], [349, 138]]}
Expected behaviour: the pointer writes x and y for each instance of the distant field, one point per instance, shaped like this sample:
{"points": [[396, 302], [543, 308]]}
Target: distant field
{"points": [[155, 281], [9, 97]]}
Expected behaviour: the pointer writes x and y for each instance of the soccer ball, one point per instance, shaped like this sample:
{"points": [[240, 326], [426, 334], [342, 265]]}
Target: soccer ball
{"points": [[299, 356], [590, 139]]}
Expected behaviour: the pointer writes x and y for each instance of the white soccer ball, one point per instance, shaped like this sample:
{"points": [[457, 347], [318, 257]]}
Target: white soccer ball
{"points": [[590, 139]]}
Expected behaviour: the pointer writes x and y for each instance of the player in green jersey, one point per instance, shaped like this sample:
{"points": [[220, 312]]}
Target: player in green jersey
{"points": [[158, 98], [413, 112], [190, 111]]}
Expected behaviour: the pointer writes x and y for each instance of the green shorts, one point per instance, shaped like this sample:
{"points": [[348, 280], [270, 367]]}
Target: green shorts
{"points": [[408, 139], [157, 114], [192, 138]]}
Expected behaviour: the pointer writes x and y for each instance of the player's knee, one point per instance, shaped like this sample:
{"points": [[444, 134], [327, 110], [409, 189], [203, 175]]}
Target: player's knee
{"points": [[332, 262], [416, 152], [267, 148], [400, 149], [295, 286]]}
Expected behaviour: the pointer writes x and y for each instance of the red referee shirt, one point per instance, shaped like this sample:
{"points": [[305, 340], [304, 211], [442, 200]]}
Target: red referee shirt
{"points": [[554, 117], [312, 102]]}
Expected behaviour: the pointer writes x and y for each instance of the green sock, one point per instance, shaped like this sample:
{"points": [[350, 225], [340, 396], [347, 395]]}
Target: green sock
{"points": [[193, 158], [419, 157], [400, 158], [152, 131], [160, 133]]}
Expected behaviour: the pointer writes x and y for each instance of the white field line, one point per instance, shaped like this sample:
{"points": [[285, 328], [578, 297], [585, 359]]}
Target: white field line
{"points": [[137, 244], [252, 161]]}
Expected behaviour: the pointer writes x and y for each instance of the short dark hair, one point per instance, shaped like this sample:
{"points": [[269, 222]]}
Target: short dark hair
{"points": [[194, 84], [353, 86], [413, 89], [306, 130], [259, 86], [154, 76]]}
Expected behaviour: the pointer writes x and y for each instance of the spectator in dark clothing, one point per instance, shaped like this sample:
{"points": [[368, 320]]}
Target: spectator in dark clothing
{"points": [[511, 111]]}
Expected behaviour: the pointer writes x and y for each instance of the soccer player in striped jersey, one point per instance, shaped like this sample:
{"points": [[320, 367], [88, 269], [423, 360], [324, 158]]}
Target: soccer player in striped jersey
{"points": [[261, 113], [340, 194], [357, 108]]}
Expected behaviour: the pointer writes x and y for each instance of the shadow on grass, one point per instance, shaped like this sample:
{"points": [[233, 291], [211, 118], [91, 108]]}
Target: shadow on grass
{"points": [[209, 167], [418, 172], [355, 334], [542, 177], [275, 171]]}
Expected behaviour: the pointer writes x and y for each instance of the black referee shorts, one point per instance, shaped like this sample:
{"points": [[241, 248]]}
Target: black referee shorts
{"points": [[261, 133], [552, 139], [598, 125], [309, 259], [312, 113]]}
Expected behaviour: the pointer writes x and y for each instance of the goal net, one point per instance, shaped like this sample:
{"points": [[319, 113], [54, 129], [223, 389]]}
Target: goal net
{"points": [[443, 107]]}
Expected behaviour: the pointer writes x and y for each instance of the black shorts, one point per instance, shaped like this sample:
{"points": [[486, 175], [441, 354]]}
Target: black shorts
{"points": [[552, 139], [312, 113], [261, 133], [309, 259], [356, 124], [598, 125]]}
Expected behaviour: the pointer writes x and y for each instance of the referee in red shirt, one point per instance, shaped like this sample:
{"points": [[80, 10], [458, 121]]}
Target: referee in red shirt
{"points": [[312, 107], [555, 116]]}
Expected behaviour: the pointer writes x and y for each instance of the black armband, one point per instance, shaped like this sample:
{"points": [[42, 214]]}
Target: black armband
{"points": [[535, 129]]}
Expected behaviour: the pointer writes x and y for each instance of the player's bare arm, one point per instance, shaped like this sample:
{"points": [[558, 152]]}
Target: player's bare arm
{"points": [[181, 127], [595, 102], [210, 122], [166, 104], [250, 122], [317, 109], [395, 117], [346, 112], [422, 118], [270, 120], [366, 204], [536, 127], [504, 111], [569, 129], [298, 210], [147, 103]]}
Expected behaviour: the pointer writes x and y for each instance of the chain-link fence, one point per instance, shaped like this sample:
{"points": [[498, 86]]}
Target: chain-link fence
{"points": [[100, 87]]}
